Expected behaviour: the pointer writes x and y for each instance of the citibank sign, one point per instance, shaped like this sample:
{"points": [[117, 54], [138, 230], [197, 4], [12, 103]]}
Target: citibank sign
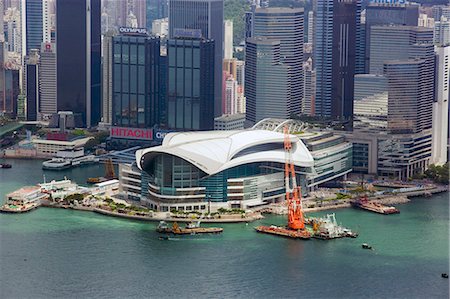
{"points": [[131, 133]]}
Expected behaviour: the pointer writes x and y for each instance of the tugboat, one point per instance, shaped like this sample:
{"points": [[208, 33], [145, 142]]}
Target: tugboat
{"points": [[190, 229], [5, 165]]}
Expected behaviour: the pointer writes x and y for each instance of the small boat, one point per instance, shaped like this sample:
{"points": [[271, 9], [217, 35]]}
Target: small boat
{"points": [[444, 275], [165, 238], [5, 165], [366, 246]]}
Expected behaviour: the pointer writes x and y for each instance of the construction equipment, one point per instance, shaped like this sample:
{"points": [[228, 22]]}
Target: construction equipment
{"points": [[109, 174], [296, 220]]}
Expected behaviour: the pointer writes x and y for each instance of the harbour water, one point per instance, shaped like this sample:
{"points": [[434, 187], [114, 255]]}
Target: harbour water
{"points": [[50, 253]]}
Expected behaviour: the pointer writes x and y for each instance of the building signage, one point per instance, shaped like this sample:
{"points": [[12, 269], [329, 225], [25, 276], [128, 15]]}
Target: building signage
{"points": [[160, 134], [188, 33], [130, 30], [131, 133], [388, 1]]}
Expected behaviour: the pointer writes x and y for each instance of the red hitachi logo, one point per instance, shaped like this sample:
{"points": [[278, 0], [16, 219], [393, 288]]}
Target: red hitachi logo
{"points": [[131, 133]]}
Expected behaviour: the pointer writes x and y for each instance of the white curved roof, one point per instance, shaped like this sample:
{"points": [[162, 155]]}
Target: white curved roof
{"points": [[214, 151]]}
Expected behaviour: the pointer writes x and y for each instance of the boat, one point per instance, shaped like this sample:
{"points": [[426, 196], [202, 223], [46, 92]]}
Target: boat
{"points": [[109, 174], [326, 228], [284, 232], [444, 275], [69, 158], [5, 165], [192, 228], [366, 246], [23, 200], [364, 204]]}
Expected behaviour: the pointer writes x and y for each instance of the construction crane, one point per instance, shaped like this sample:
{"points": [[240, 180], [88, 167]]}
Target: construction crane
{"points": [[296, 220]]}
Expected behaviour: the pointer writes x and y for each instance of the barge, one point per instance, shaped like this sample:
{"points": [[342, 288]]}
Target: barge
{"points": [[364, 204], [190, 229], [284, 232]]}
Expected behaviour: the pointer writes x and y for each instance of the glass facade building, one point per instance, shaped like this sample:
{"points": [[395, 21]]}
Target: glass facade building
{"points": [[34, 26], [32, 91], [156, 9], [204, 17], [337, 30], [136, 81], [285, 25], [79, 58], [191, 79], [268, 81]]}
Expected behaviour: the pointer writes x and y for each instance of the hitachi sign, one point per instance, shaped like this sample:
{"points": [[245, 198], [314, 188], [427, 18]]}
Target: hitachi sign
{"points": [[131, 133]]}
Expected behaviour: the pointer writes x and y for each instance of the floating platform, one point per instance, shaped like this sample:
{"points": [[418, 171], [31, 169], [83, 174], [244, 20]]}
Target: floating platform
{"points": [[364, 204], [284, 232], [9, 208], [190, 229]]}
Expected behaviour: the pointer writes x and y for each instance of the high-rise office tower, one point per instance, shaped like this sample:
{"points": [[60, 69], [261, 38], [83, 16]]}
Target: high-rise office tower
{"points": [[107, 67], [3, 56], [228, 39], [204, 18], [311, 27], [367, 85], [135, 81], [394, 42], [191, 82], [32, 85], [440, 10], [139, 9], [392, 14], [268, 81], [442, 32], [47, 81], [440, 106], [231, 95], [13, 30], [285, 25], [11, 90], [409, 98], [310, 87], [46, 22], [336, 27], [33, 24], [156, 9], [79, 58]]}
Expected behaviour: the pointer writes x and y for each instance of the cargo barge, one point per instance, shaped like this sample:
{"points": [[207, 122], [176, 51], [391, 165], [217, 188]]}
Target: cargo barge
{"points": [[190, 229], [364, 204], [284, 232]]}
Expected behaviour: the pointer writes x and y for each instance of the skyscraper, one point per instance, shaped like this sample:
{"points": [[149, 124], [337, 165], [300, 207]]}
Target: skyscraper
{"points": [[392, 14], [203, 17], [285, 25], [156, 9], [79, 58], [440, 106], [394, 43], [107, 88], [47, 81], [135, 81], [267, 81], [34, 34], [335, 35], [32, 85], [442, 32], [228, 39], [191, 82]]}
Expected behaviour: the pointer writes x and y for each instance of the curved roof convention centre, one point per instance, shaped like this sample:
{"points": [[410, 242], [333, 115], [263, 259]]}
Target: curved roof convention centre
{"points": [[215, 151]]}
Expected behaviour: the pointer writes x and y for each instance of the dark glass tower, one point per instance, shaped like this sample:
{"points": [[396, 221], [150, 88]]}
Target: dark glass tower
{"points": [[336, 27], [135, 81], [32, 85], [190, 97], [78, 67], [205, 17], [33, 22]]}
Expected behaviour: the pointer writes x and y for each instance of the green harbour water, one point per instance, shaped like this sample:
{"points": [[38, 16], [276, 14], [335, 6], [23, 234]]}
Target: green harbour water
{"points": [[56, 253]]}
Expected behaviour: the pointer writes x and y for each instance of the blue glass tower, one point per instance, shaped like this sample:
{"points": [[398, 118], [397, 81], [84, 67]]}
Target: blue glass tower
{"points": [[33, 22]]}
